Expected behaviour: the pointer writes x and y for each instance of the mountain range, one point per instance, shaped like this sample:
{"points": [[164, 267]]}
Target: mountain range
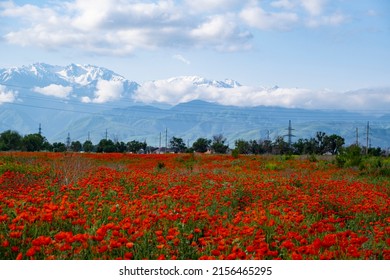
{"points": [[86, 101]]}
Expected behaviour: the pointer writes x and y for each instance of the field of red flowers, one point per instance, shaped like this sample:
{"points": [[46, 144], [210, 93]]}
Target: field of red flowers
{"points": [[183, 206]]}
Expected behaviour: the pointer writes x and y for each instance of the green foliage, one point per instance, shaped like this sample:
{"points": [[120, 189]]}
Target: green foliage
{"points": [[136, 146], [235, 153], [76, 146], [188, 161], [313, 158], [106, 146], [9, 163], [10, 141], [160, 165], [218, 144], [375, 166], [273, 166], [242, 146], [177, 144], [201, 145], [58, 147], [35, 142], [319, 145], [350, 157], [88, 146]]}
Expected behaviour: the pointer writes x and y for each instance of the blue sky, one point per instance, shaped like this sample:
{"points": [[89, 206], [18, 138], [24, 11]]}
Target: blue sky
{"points": [[335, 45]]}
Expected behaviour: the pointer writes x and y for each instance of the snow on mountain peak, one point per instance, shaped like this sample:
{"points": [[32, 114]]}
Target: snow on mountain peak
{"points": [[86, 74], [203, 82]]}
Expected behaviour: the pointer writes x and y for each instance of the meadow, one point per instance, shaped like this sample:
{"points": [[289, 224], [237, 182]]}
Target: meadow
{"points": [[190, 207]]}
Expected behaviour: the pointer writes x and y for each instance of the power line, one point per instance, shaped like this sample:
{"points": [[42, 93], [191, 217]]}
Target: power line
{"points": [[193, 105]]}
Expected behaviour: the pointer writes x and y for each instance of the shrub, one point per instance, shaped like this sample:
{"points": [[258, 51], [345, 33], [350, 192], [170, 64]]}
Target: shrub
{"points": [[349, 157]]}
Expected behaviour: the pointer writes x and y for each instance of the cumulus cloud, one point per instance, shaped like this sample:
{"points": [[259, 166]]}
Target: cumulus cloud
{"points": [[116, 27], [314, 7], [54, 90], [212, 6], [124, 26], [177, 90], [7, 96], [223, 32], [256, 17], [106, 91]]}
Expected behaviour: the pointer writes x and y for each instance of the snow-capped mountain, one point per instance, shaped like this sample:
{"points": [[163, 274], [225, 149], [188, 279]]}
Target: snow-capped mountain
{"points": [[201, 82], [86, 74], [48, 74], [59, 95], [86, 100], [81, 81]]}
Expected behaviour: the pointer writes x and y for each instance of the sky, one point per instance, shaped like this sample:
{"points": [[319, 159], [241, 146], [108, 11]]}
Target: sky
{"points": [[322, 47]]}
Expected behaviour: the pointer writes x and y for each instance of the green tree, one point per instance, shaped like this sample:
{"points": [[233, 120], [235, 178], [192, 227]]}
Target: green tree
{"points": [[35, 142], [242, 146], [88, 146], [76, 146], [265, 147], [279, 146], [120, 147], [201, 145], [177, 144], [259, 147], [58, 147], [333, 144], [305, 146], [320, 141], [135, 146], [218, 144], [10, 140], [349, 156], [106, 146]]}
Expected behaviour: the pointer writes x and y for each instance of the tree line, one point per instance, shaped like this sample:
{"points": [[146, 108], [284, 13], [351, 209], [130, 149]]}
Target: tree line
{"points": [[320, 144]]}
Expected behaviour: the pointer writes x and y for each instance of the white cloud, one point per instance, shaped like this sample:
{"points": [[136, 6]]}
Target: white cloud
{"points": [[54, 90], [223, 32], [330, 20], [181, 58], [284, 4], [117, 27], [183, 89], [314, 7], [125, 26], [255, 16], [7, 96], [212, 6], [106, 91]]}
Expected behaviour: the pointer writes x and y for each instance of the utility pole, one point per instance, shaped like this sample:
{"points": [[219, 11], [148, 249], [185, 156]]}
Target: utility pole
{"points": [[289, 135], [106, 134], [159, 147], [40, 129], [357, 137], [68, 141], [166, 140], [368, 139]]}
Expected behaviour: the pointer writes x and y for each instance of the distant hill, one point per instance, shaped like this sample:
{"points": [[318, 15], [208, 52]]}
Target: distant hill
{"points": [[88, 100]]}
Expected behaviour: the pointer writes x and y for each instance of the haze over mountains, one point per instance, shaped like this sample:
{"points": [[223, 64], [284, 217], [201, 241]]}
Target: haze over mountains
{"points": [[86, 101]]}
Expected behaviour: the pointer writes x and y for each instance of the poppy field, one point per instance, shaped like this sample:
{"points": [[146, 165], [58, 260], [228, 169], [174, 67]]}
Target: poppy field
{"points": [[189, 207]]}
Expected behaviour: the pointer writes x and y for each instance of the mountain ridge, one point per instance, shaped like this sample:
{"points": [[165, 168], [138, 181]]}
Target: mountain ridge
{"points": [[78, 99]]}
